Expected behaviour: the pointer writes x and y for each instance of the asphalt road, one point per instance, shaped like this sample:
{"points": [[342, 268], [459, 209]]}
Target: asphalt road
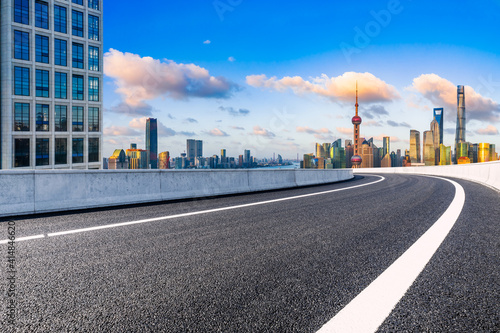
{"points": [[283, 266]]}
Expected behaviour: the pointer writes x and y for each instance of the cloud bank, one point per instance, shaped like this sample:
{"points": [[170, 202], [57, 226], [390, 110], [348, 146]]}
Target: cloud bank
{"points": [[340, 88], [141, 79], [443, 93]]}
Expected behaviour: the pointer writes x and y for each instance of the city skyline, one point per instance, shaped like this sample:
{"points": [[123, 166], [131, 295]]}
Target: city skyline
{"points": [[280, 89]]}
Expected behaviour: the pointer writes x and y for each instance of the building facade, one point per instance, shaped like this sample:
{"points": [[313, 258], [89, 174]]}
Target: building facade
{"points": [[415, 146], [152, 143], [460, 131], [51, 64]]}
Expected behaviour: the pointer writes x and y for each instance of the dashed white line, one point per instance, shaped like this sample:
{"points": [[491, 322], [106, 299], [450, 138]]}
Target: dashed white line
{"points": [[367, 311], [122, 224]]}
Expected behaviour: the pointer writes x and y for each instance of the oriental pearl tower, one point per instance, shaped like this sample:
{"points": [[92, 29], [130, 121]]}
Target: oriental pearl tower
{"points": [[356, 120]]}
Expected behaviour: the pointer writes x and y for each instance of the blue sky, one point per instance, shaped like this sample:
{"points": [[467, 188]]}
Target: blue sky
{"points": [[277, 77]]}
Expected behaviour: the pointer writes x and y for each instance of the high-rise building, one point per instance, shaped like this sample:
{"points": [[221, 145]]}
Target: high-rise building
{"points": [[429, 152], [415, 146], [386, 146], [356, 121], [199, 148], [164, 160], [437, 137], [445, 155], [483, 152], [473, 148], [191, 148], [118, 160], [246, 158], [460, 133], [152, 143], [51, 84], [438, 117], [137, 158], [320, 150], [493, 153]]}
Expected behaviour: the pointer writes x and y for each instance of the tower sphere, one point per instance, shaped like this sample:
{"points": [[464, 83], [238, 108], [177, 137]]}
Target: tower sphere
{"points": [[356, 120], [356, 160]]}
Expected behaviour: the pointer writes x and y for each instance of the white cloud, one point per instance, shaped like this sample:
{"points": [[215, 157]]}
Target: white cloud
{"points": [[345, 131], [207, 41], [340, 88], [489, 130], [140, 79], [217, 132], [443, 93], [231, 59], [120, 131], [257, 130], [309, 130]]}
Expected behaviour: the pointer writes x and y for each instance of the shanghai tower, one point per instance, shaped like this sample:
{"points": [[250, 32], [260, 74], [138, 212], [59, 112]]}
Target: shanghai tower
{"points": [[460, 133]]}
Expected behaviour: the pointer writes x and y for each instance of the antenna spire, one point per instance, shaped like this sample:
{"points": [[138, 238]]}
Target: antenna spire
{"points": [[357, 97]]}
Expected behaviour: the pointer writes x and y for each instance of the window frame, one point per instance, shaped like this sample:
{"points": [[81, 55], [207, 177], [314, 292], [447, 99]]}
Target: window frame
{"points": [[24, 115], [22, 46]]}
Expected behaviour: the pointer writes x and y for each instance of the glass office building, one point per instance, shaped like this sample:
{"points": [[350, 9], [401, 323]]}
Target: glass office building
{"points": [[51, 74]]}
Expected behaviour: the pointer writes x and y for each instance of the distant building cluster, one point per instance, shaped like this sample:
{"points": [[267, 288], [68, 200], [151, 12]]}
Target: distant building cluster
{"points": [[192, 158], [431, 151]]}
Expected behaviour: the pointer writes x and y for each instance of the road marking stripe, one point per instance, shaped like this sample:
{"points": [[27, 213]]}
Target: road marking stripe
{"points": [[22, 239], [115, 225], [367, 311]]}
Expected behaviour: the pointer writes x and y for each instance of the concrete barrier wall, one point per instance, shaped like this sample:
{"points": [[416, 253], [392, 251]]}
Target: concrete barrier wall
{"points": [[28, 192], [487, 173]]}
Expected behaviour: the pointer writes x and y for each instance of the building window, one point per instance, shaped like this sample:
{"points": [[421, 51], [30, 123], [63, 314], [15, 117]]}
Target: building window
{"points": [[42, 49], [78, 87], [93, 119], [60, 84], [94, 4], [77, 118], [22, 11], [42, 117], [21, 153], [21, 45], [78, 150], [93, 27], [42, 83], [93, 150], [21, 117], [41, 14], [78, 2], [61, 151], [61, 49], [60, 24], [42, 152], [93, 89], [77, 55], [21, 81], [93, 58], [77, 23], [61, 118]]}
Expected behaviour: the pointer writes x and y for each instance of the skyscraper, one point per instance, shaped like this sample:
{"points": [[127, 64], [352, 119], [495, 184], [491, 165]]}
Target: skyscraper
{"points": [[191, 149], [356, 121], [460, 133], [51, 77], [415, 146], [199, 148], [152, 142], [438, 117], [386, 146], [429, 151], [436, 138]]}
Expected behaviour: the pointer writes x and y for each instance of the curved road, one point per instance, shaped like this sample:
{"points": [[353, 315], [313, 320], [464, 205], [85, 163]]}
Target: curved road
{"points": [[230, 265]]}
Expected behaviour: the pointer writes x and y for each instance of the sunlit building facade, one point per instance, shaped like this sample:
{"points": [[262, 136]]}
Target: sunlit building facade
{"points": [[415, 146], [51, 68], [460, 131], [445, 155], [118, 161], [483, 152], [429, 152]]}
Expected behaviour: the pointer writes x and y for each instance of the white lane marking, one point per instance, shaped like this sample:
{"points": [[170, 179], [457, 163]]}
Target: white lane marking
{"points": [[20, 239], [367, 311], [203, 211]]}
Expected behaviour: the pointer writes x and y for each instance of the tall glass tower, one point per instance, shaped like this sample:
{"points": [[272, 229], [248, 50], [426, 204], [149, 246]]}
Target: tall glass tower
{"points": [[460, 133], [51, 74], [438, 116], [152, 142], [356, 121]]}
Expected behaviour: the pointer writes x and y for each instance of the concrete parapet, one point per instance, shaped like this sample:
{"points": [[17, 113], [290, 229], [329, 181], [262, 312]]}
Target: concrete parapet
{"points": [[487, 173], [38, 191]]}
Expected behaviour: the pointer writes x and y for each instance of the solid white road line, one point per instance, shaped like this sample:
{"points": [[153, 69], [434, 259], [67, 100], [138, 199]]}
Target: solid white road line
{"points": [[20, 239], [122, 224], [367, 311]]}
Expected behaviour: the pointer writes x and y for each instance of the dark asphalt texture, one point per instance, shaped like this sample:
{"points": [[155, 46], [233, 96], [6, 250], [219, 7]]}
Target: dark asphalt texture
{"points": [[288, 266]]}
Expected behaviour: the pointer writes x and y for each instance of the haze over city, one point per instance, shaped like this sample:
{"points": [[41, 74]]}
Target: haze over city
{"points": [[279, 77]]}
